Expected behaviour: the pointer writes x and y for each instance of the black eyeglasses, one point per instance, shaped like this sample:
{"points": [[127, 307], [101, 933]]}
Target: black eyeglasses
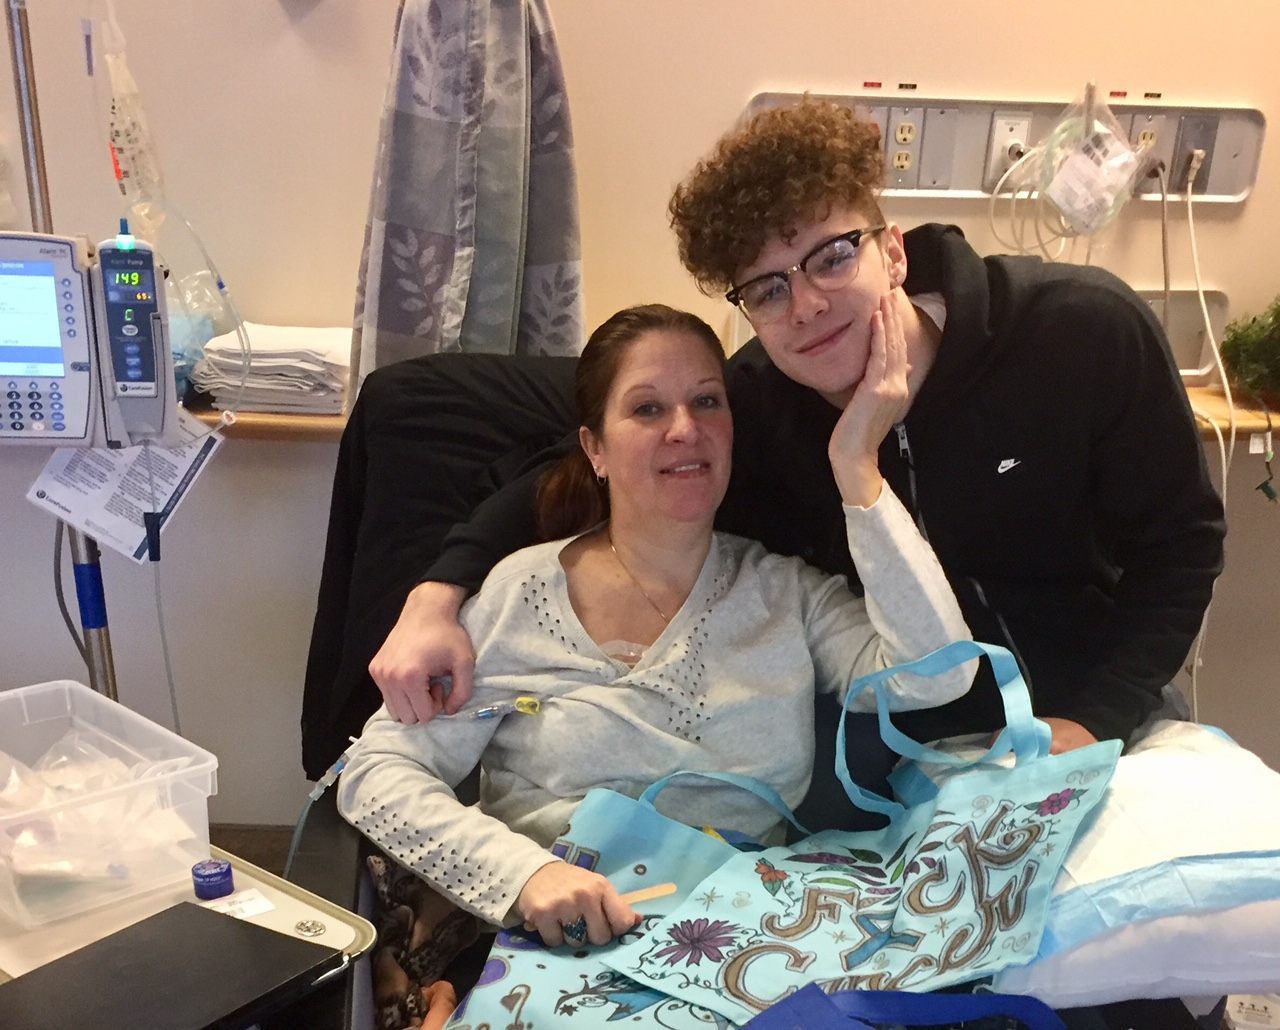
{"points": [[829, 266]]}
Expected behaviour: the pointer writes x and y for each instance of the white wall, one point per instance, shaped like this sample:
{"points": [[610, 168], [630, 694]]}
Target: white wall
{"points": [[266, 115]]}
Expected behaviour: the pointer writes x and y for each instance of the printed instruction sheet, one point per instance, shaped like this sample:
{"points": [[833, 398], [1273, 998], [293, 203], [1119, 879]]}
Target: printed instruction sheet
{"points": [[103, 493]]}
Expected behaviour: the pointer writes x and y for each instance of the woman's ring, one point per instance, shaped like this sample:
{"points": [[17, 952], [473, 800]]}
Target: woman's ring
{"points": [[577, 930]]}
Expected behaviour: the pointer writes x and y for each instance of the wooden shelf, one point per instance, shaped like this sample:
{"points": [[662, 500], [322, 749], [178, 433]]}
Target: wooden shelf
{"points": [[1212, 401], [255, 425]]}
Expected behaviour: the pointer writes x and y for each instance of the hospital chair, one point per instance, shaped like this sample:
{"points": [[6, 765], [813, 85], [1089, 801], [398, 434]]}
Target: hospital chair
{"points": [[427, 441]]}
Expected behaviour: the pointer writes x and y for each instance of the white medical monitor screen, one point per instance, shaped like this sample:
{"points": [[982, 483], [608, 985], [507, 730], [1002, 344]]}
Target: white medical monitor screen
{"points": [[30, 326]]}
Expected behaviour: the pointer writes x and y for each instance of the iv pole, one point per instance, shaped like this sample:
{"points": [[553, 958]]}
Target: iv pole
{"points": [[85, 556]]}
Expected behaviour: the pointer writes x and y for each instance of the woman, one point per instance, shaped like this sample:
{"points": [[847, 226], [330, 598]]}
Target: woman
{"points": [[652, 643]]}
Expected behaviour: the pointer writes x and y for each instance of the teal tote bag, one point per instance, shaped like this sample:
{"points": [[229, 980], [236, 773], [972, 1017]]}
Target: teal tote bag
{"points": [[950, 891], [525, 983]]}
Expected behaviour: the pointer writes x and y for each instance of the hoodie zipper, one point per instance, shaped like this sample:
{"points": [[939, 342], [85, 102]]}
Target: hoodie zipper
{"points": [[1008, 638], [904, 450]]}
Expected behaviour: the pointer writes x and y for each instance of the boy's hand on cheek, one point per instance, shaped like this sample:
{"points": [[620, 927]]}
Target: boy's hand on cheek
{"points": [[877, 403]]}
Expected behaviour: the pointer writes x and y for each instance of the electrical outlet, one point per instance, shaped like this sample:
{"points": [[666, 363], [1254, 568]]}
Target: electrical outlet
{"points": [[906, 130], [1152, 135], [1196, 132], [1010, 139]]}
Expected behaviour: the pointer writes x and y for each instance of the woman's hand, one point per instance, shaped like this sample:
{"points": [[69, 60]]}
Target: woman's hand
{"points": [[877, 403], [559, 894]]}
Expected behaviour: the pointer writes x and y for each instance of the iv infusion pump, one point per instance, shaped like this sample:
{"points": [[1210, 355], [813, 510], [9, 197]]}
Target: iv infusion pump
{"points": [[84, 343]]}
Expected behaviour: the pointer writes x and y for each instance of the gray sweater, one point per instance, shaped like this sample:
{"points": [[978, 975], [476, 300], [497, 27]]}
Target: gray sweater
{"points": [[728, 686]]}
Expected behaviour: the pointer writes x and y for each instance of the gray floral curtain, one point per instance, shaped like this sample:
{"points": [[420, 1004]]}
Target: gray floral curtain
{"points": [[472, 242]]}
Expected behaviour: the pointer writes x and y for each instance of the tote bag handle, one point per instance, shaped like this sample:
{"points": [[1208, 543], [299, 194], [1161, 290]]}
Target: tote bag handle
{"points": [[1024, 734], [750, 784]]}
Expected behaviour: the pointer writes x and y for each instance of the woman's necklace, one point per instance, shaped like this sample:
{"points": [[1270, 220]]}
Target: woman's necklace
{"points": [[652, 603]]}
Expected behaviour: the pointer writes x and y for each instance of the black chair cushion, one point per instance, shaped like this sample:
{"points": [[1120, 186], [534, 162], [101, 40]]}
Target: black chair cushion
{"points": [[427, 440]]}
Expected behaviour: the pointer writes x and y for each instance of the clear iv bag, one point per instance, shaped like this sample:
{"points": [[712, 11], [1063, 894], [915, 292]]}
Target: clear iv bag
{"points": [[1089, 168], [133, 154]]}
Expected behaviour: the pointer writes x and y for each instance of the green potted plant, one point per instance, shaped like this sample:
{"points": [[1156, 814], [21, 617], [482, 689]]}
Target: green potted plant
{"points": [[1251, 354]]}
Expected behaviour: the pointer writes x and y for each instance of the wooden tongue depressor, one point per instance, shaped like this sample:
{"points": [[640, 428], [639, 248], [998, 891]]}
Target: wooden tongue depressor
{"points": [[658, 890]]}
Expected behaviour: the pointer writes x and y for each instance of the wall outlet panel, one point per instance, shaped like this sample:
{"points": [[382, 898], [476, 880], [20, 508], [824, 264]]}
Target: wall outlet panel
{"points": [[1154, 130], [955, 163], [938, 148], [1195, 132], [1150, 129], [906, 130], [1235, 155], [1009, 130]]}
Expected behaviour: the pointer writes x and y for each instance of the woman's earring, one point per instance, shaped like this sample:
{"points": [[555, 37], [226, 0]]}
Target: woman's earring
{"points": [[602, 480]]}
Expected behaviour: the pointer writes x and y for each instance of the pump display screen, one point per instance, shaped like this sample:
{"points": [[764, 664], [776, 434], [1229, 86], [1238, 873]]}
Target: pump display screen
{"points": [[130, 285], [30, 320]]}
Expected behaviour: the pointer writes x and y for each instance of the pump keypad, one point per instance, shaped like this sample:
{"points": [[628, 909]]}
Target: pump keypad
{"points": [[34, 405]]}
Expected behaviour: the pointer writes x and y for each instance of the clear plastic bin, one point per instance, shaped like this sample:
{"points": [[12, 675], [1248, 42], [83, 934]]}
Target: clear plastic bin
{"points": [[94, 846]]}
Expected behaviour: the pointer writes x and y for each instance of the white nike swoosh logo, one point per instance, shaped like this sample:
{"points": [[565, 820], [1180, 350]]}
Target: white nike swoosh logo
{"points": [[1007, 464]]}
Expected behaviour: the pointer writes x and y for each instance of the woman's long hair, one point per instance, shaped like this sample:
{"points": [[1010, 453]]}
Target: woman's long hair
{"points": [[570, 498]]}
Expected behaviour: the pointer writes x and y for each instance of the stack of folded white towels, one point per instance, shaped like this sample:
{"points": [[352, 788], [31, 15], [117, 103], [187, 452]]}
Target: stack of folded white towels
{"points": [[291, 369]]}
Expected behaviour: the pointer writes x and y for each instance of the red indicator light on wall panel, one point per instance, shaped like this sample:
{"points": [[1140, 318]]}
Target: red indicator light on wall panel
{"points": [[872, 85], [1118, 93]]}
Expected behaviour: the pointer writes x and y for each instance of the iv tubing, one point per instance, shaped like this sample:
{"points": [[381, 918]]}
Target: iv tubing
{"points": [[322, 784], [60, 593], [155, 568]]}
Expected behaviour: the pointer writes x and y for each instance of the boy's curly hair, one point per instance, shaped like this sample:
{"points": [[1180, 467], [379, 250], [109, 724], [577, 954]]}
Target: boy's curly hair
{"points": [[783, 169]]}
